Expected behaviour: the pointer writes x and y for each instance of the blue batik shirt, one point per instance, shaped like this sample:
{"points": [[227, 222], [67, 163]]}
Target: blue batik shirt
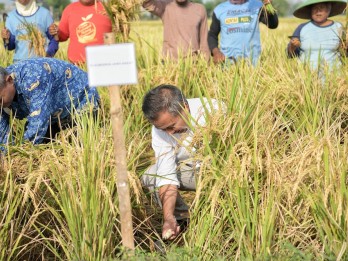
{"points": [[240, 33], [45, 89]]}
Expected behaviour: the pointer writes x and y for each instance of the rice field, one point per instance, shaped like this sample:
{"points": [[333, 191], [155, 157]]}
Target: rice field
{"points": [[273, 181]]}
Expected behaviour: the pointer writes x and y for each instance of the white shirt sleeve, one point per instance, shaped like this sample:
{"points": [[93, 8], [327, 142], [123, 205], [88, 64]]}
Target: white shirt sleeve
{"points": [[171, 149], [164, 146]]}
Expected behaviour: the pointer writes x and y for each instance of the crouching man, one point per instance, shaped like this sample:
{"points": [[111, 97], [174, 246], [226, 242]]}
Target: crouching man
{"points": [[174, 119], [45, 91]]}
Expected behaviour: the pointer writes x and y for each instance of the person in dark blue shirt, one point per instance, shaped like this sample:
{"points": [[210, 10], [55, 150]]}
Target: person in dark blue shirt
{"points": [[44, 91]]}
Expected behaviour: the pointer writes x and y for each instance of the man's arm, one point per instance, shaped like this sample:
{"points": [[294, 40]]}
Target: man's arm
{"points": [[63, 27], [53, 44], [9, 38], [38, 93], [168, 195], [167, 181], [213, 40], [203, 35], [38, 122], [155, 7], [294, 46]]}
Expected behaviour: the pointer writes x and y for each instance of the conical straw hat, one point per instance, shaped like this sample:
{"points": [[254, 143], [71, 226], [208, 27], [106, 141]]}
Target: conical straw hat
{"points": [[304, 10]]}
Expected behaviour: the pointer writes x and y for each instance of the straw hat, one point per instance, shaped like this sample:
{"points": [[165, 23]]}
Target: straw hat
{"points": [[304, 10]]}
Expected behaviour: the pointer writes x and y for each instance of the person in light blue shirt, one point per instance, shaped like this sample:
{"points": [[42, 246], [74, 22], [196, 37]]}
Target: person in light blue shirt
{"points": [[15, 33], [237, 23], [45, 91], [317, 42]]}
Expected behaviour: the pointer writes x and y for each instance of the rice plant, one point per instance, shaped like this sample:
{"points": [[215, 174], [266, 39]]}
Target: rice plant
{"points": [[269, 8], [35, 38], [122, 13], [272, 183]]}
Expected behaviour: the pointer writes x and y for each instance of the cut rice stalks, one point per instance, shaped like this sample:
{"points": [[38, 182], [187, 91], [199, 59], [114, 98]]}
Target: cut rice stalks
{"points": [[269, 7], [35, 38], [121, 13]]}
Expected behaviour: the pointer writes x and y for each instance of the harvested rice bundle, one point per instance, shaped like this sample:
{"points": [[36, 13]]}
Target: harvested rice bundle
{"points": [[269, 7], [35, 38], [121, 13]]}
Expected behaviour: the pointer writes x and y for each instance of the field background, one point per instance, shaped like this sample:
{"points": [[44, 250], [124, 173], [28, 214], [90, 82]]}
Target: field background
{"points": [[273, 182]]}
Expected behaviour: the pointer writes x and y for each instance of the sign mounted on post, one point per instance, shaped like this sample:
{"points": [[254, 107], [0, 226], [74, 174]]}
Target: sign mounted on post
{"points": [[113, 64]]}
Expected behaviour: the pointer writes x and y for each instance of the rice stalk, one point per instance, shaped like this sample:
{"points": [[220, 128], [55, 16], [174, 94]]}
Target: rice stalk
{"points": [[122, 13], [272, 183], [35, 38], [269, 8]]}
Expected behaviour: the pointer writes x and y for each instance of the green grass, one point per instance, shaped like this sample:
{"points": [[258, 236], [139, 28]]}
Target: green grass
{"points": [[273, 181]]}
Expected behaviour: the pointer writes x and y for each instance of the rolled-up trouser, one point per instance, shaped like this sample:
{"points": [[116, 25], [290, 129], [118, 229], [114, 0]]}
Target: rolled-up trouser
{"points": [[186, 177]]}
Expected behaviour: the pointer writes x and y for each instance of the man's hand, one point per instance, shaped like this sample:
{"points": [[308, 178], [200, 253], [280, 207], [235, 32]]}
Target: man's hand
{"points": [[295, 42], [168, 195], [218, 56], [5, 34], [53, 30], [170, 229], [266, 2], [293, 45]]}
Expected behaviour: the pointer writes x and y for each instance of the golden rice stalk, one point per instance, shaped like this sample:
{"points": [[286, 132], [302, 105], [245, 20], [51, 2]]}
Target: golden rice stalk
{"points": [[269, 7], [343, 48], [121, 13], [346, 28], [35, 38]]}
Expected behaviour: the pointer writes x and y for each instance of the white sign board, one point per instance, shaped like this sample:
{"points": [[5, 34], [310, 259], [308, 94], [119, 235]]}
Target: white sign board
{"points": [[113, 64]]}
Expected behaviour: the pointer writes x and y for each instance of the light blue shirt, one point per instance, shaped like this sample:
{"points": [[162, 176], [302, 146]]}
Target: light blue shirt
{"points": [[240, 33], [319, 44], [15, 23]]}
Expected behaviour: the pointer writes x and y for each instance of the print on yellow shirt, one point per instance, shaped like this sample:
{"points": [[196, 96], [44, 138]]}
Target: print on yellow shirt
{"points": [[86, 31]]}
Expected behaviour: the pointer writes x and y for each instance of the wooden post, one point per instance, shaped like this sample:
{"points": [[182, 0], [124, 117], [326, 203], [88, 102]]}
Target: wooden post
{"points": [[121, 160]]}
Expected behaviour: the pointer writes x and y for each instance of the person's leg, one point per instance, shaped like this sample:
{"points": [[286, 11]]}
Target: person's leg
{"points": [[148, 180], [53, 130], [187, 180], [186, 177]]}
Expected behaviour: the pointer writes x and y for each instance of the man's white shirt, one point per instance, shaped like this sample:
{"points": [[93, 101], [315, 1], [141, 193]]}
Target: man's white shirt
{"points": [[172, 149]]}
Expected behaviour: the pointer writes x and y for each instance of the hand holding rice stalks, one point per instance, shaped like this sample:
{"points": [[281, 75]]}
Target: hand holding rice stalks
{"points": [[121, 13], [267, 4], [35, 38], [169, 233]]}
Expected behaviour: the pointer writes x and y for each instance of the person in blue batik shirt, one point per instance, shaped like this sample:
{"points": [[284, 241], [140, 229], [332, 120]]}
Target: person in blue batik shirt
{"points": [[44, 91], [15, 34], [317, 41], [237, 22]]}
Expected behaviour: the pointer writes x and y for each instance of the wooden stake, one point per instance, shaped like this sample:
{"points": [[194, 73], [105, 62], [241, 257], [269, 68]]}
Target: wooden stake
{"points": [[121, 160]]}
